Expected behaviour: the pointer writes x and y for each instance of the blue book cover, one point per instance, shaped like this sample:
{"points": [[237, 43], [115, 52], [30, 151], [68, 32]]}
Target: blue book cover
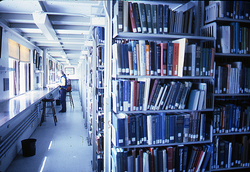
{"points": [[125, 56], [120, 95], [233, 118], [172, 120], [125, 95], [119, 125], [122, 58], [144, 118], [152, 46], [141, 94], [180, 128], [129, 96], [165, 18], [160, 160], [130, 164], [137, 17], [138, 129], [163, 127], [133, 130], [207, 157], [237, 31], [125, 156], [153, 129], [160, 128], [157, 128], [133, 45], [160, 18], [141, 128], [167, 129], [185, 158]]}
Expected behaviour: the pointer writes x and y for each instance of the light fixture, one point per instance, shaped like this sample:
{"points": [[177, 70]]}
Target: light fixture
{"points": [[42, 21], [98, 21]]}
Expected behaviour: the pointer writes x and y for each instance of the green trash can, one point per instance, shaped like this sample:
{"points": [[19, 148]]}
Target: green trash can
{"points": [[29, 147]]}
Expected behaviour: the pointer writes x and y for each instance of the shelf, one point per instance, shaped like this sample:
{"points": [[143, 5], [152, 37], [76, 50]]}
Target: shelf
{"points": [[232, 94], [231, 133], [162, 77], [147, 36], [221, 20], [165, 111], [231, 55], [168, 144], [233, 168]]}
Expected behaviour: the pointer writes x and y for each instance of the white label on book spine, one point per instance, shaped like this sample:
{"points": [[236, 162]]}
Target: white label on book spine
{"points": [[145, 139], [223, 130], [139, 29], [125, 28], [165, 29], [175, 72], [133, 139], [127, 70], [149, 30], [232, 129], [185, 134], [135, 72], [120, 26], [152, 72], [160, 29], [179, 134], [144, 29], [123, 70], [155, 30], [119, 70], [120, 140], [171, 137], [134, 30], [166, 140], [164, 72], [158, 70]]}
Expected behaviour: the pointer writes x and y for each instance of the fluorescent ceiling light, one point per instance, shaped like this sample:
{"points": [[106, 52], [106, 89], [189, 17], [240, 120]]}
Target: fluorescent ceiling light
{"points": [[42, 21]]}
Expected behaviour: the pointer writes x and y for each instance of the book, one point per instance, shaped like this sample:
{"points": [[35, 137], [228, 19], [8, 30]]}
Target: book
{"points": [[163, 59], [191, 57], [119, 126], [149, 18], [132, 17], [193, 99], [137, 17], [181, 53], [159, 18], [143, 18]]}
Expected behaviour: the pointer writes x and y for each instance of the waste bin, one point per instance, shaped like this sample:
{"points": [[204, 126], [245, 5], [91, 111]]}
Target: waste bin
{"points": [[29, 147]]}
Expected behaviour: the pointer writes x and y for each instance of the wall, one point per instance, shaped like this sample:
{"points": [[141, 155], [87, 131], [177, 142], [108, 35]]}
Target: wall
{"points": [[4, 60]]}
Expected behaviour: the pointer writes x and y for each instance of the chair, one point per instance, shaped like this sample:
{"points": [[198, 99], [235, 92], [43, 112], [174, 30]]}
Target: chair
{"points": [[45, 100], [68, 93]]}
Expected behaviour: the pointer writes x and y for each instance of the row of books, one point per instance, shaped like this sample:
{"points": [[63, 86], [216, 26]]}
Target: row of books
{"points": [[132, 95], [233, 39], [228, 154], [233, 9], [231, 118], [174, 58], [152, 18], [232, 78], [180, 158], [159, 128]]}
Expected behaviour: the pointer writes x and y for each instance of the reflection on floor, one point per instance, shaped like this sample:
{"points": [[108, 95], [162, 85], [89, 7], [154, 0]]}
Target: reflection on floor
{"points": [[61, 148]]}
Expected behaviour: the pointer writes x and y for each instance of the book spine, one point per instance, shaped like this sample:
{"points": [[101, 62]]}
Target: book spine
{"points": [[165, 18], [175, 58], [163, 59], [148, 60], [132, 18]]}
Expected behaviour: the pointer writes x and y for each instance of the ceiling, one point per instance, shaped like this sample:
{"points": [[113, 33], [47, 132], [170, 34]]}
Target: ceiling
{"points": [[61, 27]]}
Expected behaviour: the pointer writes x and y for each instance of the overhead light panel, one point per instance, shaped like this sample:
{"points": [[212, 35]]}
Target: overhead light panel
{"points": [[43, 23], [98, 21]]}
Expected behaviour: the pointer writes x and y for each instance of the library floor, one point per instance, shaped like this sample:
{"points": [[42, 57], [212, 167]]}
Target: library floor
{"points": [[60, 148]]}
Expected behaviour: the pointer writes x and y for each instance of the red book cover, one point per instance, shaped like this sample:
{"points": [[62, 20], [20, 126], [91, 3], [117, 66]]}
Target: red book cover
{"points": [[132, 17], [170, 158], [147, 55], [175, 58], [163, 59], [152, 159]]}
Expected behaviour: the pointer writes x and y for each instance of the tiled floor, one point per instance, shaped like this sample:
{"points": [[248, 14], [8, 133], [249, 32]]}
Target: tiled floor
{"points": [[61, 148]]}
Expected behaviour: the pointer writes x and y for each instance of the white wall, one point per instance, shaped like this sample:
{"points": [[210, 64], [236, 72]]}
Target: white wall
{"points": [[4, 60]]}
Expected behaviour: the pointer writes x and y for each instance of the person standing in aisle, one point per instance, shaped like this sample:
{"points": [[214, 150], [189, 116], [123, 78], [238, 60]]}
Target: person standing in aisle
{"points": [[62, 89]]}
